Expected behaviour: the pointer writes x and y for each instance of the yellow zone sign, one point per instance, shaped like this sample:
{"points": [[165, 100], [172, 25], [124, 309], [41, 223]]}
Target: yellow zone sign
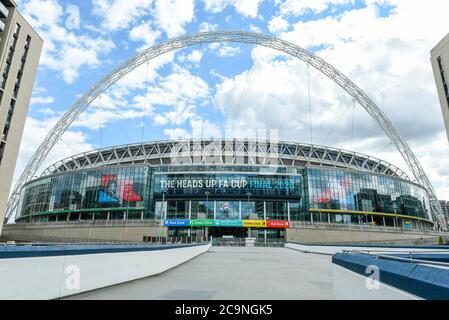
{"points": [[254, 223]]}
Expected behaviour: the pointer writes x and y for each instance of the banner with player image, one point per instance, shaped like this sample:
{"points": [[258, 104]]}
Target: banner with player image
{"points": [[117, 191]]}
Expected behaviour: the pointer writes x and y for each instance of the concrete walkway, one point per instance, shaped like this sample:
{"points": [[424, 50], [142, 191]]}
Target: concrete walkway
{"points": [[233, 273]]}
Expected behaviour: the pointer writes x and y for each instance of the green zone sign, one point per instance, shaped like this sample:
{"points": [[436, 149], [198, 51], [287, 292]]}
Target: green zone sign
{"points": [[202, 223]]}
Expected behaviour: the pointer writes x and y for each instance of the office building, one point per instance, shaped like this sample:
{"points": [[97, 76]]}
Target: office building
{"points": [[440, 66], [20, 50]]}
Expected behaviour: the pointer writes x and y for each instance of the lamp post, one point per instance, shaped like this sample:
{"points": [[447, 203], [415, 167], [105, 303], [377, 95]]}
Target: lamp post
{"points": [[163, 207], [207, 193], [248, 194], [164, 215]]}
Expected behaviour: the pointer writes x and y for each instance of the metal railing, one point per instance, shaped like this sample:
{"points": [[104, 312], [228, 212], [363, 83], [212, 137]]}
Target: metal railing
{"points": [[49, 240], [354, 227], [173, 240], [228, 242], [410, 259], [271, 243], [77, 223], [241, 242]]}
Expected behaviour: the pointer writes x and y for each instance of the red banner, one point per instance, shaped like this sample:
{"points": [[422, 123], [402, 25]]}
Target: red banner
{"points": [[277, 224]]}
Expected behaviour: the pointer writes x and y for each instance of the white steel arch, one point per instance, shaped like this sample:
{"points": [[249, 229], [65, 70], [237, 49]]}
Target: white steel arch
{"points": [[235, 37]]}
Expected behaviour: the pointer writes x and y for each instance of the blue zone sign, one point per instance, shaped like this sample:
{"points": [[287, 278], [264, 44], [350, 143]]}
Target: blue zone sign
{"points": [[176, 223]]}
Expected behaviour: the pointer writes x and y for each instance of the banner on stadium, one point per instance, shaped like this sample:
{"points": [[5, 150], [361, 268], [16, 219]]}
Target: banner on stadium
{"points": [[270, 224]]}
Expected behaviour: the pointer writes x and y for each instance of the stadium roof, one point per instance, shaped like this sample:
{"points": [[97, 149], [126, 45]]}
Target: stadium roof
{"points": [[225, 152]]}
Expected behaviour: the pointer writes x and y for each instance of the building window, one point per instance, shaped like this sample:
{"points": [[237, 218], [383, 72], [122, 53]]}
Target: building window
{"points": [[16, 90], [2, 150], [22, 67], [444, 78], [8, 62], [9, 119], [16, 31]]}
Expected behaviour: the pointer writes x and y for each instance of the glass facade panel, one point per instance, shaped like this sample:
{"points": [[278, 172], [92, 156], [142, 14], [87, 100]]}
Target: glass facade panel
{"points": [[249, 210], [203, 209], [349, 191], [318, 195], [178, 210], [276, 210], [227, 210], [121, 189]]}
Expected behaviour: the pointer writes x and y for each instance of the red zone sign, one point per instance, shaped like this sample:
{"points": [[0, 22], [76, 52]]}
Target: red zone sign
{"points": [[278, 224]]}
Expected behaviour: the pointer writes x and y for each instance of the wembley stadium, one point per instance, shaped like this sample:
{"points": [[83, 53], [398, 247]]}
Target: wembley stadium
{"points": [[235, 187]]}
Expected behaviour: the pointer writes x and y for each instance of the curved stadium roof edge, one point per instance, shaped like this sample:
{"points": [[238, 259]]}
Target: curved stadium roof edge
{"points": [[164, 152]]}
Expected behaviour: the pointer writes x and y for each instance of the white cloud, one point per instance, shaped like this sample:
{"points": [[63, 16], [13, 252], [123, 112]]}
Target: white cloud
{"points": [[73, 142], [177, 96], [173, 15], [277, 24], [199, 129], [255, 29], [48, 112], [225, 50], [145, 33], [170, 100], [177, 133], [206, 26], [63, 51], [247, 8], [203, 128], [299, 7], [119, 14], [42, 100], [194, 57]]}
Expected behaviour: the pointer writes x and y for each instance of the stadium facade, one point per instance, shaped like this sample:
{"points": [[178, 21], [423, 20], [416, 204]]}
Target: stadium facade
{"points": [[226, 187]]}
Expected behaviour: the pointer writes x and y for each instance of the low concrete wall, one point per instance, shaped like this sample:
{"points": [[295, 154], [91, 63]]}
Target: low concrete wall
{"points": [[332, 234], [122, 231], [56, 271], [333, 249], [134, 231], [348, 285], [369, 277]]}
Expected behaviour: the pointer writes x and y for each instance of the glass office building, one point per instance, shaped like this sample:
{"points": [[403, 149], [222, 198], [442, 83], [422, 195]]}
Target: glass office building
{"points": [[136, 182]]}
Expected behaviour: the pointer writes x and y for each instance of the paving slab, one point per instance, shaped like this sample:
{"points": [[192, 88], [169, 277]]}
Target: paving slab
{"points": [[233, 273]]}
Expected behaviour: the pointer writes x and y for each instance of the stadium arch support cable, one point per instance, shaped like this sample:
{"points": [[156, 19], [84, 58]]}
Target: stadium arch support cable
{"points": [[232, 37]]}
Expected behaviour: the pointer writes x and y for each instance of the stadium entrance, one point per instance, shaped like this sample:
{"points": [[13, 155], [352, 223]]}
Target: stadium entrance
{"points": [[227, 232], [217, 232]]}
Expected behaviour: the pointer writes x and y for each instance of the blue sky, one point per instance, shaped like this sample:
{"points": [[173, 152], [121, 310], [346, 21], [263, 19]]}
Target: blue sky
{"points": [[382, 45]]}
